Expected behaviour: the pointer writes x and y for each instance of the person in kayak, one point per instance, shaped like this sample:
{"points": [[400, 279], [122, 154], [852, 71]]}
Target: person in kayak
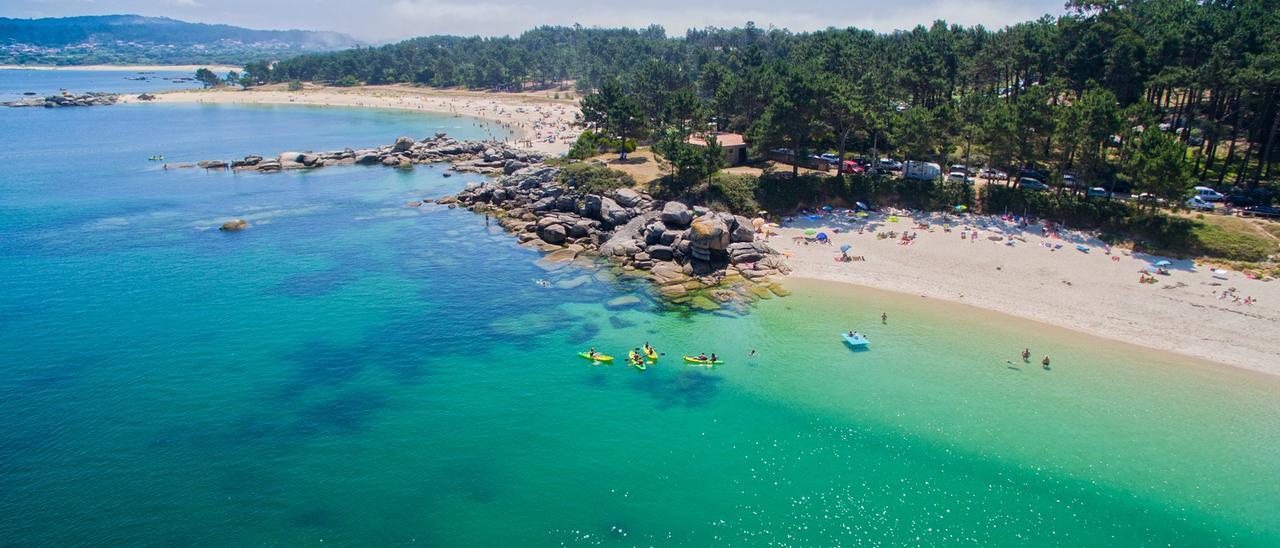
{"points": [[1026, 354], [592, 353], [713, 357], [648, 349], [702, 356]]}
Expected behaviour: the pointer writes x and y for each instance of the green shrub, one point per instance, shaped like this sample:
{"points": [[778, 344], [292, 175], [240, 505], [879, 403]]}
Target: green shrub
{"points": [[594, 178], [295, 85], [347, 81], [733, 192]]}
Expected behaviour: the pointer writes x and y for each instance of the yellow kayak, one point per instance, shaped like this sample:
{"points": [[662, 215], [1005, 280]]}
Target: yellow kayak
{"points": [[598, 357], [692, 359], [653, 354]]}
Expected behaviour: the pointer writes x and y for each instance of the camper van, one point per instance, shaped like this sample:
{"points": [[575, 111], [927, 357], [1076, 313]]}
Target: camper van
{"points": [[925, 171]]}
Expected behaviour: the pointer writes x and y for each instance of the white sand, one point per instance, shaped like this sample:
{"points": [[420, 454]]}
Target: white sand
{"points": [[1092, 292], [220, 69], [542, 123]]}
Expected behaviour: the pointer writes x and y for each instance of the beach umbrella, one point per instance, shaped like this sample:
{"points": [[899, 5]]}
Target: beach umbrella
{"points": [[845, 248], [822, 235], [826, 208], [810, 231], [961, 207], [1163, 263], [861, 205]]}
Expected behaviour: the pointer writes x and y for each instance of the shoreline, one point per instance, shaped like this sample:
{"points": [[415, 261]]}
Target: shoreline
{"points": [[544, 123], [126, 68], [1087, 292]]}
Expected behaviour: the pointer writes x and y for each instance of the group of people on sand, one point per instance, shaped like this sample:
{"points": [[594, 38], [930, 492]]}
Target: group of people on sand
{"points": [[1230, 293]]}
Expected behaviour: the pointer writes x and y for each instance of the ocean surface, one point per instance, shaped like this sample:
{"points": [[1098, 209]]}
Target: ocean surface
{"points": [[350, 371], [15, 83]]}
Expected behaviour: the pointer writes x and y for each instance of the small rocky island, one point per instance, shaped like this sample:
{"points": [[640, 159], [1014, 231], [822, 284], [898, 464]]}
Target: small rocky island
{"points": [[696, 257], [465, 156], [67, 99]]}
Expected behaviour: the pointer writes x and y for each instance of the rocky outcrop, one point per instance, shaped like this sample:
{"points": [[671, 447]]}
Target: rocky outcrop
{"points": [[234, 225], [66, 99], [405, 152], [706, 260]]}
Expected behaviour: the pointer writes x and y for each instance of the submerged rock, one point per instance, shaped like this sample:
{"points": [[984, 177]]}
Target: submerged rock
{"points": [[625, 301], [234, 225]]}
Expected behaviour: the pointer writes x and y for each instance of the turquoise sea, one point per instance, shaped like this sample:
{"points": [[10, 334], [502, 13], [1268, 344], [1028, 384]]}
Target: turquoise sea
{"points": [[350, 371]]}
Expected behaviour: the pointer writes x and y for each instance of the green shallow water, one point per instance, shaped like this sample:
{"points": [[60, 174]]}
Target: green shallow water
{"points": [[352, 371]]}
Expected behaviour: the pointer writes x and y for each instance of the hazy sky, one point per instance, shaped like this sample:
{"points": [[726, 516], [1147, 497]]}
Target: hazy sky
{"points": [[383, 20]]}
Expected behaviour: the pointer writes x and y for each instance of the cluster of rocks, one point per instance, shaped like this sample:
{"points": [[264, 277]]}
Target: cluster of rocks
{"points": [[707, 259], [468, 156], [66, 99]]}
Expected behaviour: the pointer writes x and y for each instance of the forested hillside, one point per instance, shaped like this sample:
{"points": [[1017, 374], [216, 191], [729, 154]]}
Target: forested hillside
{"points": [[138, 39]]}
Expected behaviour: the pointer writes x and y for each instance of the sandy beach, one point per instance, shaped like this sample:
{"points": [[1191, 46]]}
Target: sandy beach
{"points": [[1020, 271], [542, 122], [220, 69]]}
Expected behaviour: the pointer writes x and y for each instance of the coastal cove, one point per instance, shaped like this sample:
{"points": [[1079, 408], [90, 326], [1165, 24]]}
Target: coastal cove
{"points": [[350, 370]]}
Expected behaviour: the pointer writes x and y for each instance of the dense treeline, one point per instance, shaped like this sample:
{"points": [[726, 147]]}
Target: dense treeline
{"points": [[1153, 93]]}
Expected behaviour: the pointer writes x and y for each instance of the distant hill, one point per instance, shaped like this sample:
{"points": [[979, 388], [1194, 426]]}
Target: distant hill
{"points": [[138, 39]]}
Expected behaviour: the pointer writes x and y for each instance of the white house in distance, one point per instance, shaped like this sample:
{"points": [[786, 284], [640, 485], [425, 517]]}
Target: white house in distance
{"points": [[732, 146]]}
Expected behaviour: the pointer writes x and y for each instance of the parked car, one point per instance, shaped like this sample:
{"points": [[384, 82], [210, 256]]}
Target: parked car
{"points": [[1149, 197], [1032, 173], [828, 157], [1262, 211], [1070, 181], [993, 174], [1199, 204], [891, 164], [1097, 192], [1207, 194], [960, 177], [1240, 200], [925, 171], [852, 167], [1032, 184]]}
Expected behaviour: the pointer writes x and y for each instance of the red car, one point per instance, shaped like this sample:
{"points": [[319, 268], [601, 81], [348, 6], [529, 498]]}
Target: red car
{"points": [[852, 167]]}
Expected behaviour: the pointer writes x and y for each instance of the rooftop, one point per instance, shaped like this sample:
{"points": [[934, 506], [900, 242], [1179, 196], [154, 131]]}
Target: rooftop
{"points": [[724, 139]]}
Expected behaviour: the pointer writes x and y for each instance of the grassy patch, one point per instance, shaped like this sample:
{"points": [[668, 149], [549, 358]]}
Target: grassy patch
{"points": [[1231, 238]]}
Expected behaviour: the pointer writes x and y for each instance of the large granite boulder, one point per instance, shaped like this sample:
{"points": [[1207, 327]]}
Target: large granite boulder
{"points": [[710, 231], [590, 206], [743, 230], [627, 197], [553, 233], [676, 214], [403, 144], [234, 225], [660, 252], [612, 213]]}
